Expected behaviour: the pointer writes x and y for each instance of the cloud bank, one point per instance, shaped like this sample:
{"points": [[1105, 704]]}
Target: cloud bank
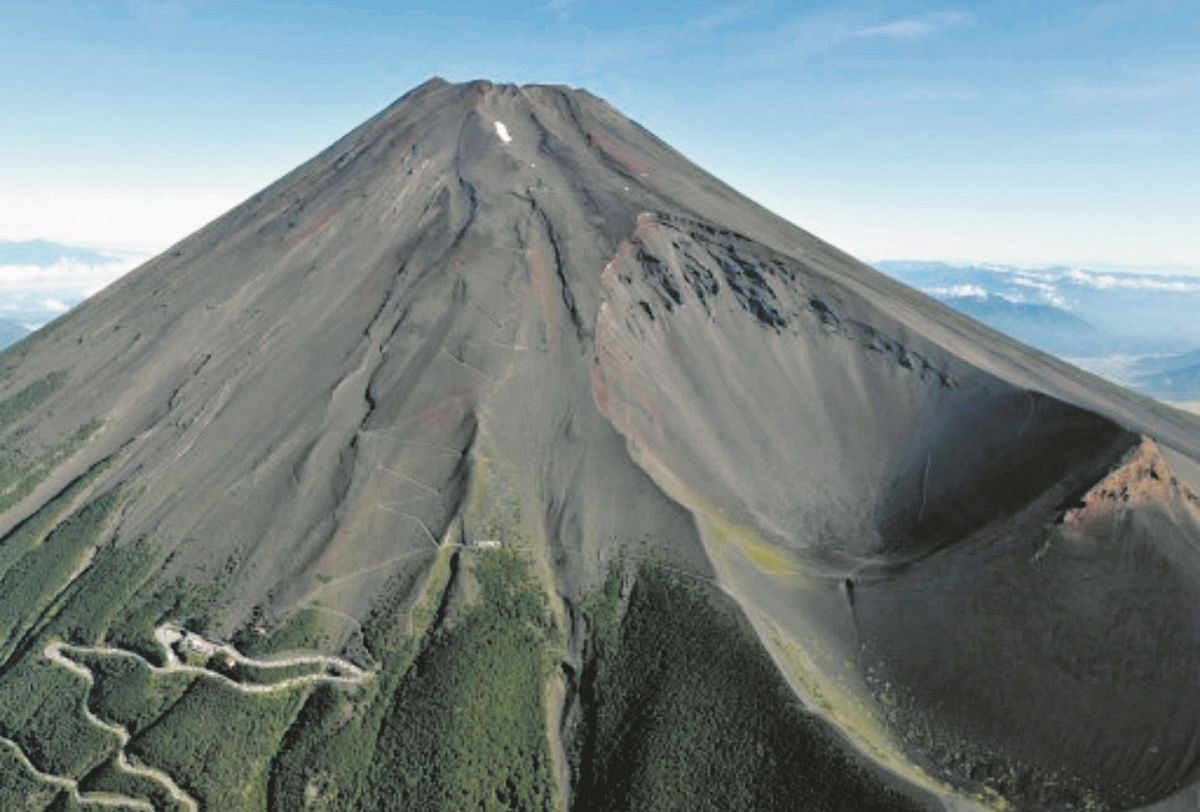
{"points": [[48, 279], [65, 278]]}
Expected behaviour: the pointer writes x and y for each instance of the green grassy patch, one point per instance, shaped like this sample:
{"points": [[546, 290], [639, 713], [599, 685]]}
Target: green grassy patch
{"points": [[127, 692], [29, 533], [40, 709], [34, 581], [460, 726], [303, 630], [217, 742], [91, 604], [21, 470], [108, 779], [179, 600], [264, 675], [325, 758], [19, 404], [467, 729], [19, 790], [493, 508], [20, 474], [41, 703]]}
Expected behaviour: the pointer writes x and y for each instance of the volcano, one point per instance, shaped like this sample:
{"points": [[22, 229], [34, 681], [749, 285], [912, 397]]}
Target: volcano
{"points": [[499, 457]]}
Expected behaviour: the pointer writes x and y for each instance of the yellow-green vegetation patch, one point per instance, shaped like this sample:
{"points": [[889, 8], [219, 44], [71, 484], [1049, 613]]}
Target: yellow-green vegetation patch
{"points": [[767, 559], [493, 507], [745, 540], [725, 535], [683, 709]]}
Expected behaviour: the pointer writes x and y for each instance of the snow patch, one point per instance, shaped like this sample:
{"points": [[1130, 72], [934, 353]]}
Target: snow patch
{"points": [[502, 131]]}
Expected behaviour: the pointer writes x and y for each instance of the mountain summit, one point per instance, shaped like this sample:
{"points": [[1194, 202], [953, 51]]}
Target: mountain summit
{"points": [[499, 457]]}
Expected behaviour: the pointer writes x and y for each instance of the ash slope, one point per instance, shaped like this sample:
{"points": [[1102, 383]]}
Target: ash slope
{"points": [[498, 313]]}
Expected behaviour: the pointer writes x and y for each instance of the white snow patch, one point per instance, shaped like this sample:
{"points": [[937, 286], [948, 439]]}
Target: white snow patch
{"points": [[502, 131]]}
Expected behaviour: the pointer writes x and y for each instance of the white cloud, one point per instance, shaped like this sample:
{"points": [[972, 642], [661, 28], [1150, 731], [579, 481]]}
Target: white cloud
{"points": [[914, 27], [1047, 291], [63, 280], [1027, 280], [127, 219], [958, 292], [1103, 281], [1015, 298], [1051, 286]]}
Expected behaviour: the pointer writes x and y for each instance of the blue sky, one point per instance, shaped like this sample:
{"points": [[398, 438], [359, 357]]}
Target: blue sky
{"points": [[1024, 132]]}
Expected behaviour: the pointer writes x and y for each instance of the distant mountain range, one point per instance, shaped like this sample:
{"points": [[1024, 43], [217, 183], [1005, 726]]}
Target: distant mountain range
{"points": [[1174, 377], [11, 332], [1042, 325], [45, 252], [1137, 328]]}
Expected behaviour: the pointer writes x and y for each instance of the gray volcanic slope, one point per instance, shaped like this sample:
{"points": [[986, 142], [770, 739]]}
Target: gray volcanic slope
{"points": [[509, 314]]}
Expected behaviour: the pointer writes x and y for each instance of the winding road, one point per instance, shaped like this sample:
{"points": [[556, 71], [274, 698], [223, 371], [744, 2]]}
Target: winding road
{"points": [[332, 670]]}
